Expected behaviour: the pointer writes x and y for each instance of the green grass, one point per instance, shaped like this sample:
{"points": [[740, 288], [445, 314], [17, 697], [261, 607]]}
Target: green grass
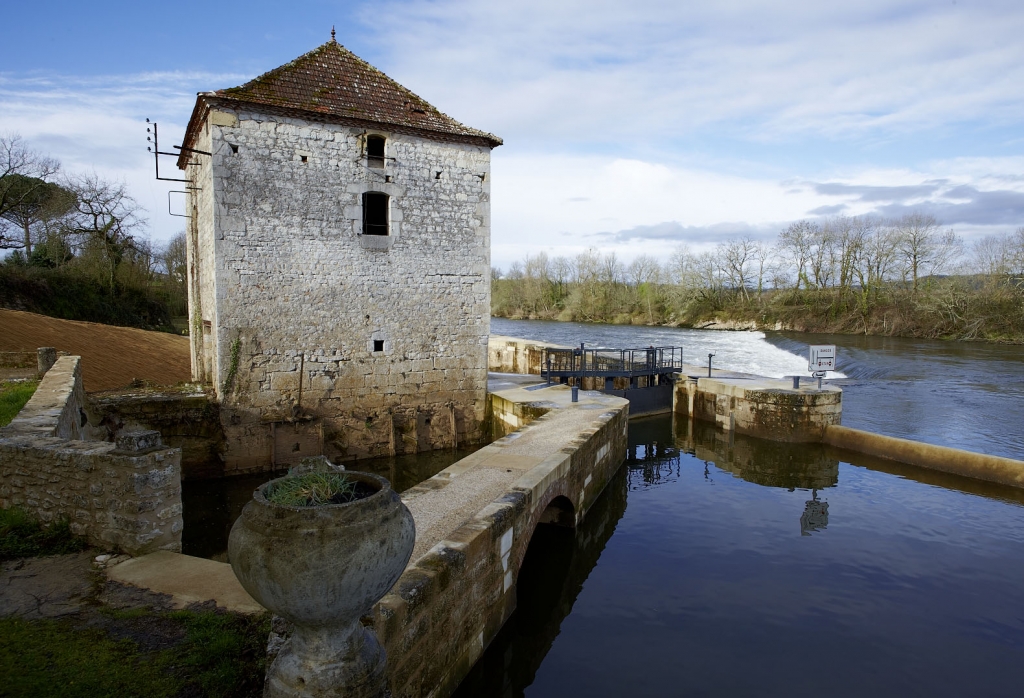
{"points": [[13, 397], [51, 658], [21, 535], [311, 489], [210, 654]]}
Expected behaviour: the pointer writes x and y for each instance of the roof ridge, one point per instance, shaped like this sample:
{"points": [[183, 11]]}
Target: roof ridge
{"points": [[332, 80]]}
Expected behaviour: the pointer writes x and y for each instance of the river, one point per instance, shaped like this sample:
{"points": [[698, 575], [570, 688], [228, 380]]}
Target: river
{"points": [[966, 395], [718, 566]]}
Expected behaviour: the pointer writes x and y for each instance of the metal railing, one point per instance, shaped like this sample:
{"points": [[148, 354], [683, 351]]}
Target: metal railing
{"points": [[611, 363]]}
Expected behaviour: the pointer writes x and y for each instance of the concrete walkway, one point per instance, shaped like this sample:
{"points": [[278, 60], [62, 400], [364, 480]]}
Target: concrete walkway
{"points": [[451, 498], [186, 580]]}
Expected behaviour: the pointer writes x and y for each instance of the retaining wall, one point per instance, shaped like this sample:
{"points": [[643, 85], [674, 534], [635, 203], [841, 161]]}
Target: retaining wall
{"points": [[187, 418], [124, 495], [514, 355]]}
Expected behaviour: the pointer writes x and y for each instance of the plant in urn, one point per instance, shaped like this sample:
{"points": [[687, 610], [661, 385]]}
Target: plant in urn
{"points": [[319, 547]]}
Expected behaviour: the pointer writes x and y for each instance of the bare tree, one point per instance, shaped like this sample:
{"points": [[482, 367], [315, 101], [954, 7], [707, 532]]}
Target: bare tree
{"points": [[736, 257], [27, 194], [797, 242], [924, 249], [105, 219]]}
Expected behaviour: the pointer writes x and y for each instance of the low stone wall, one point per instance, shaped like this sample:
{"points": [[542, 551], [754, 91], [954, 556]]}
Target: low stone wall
{"points": [[187, 418], [56, 408], [762, 407], [514, 355], [1005, 471], [453, 599], [17, 359], [124, 495]]}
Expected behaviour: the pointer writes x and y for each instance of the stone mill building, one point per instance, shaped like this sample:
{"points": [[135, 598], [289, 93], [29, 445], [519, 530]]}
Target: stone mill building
{"points": [[339, 264]]}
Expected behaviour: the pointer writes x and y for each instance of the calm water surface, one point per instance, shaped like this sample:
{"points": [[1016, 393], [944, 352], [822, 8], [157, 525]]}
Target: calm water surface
{"points": [[712, 567], [966, 395]]}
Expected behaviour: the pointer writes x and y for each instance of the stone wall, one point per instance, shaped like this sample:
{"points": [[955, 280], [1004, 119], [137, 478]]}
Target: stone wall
{"points": [[762, 407], [57, 406], [187, 418], [124, 495], [514, 355], [451, 602], [287, 297]]}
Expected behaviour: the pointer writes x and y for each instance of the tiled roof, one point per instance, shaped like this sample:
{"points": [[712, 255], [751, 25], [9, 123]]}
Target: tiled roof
{"points": [[332, 81]]}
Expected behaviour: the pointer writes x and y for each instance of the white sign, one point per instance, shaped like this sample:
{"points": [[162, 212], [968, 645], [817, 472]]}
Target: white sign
{"points": [[822, 357]]}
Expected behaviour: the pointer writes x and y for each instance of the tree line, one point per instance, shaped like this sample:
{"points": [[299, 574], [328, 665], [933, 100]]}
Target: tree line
{"points": [[79, 247], [856, 274]]}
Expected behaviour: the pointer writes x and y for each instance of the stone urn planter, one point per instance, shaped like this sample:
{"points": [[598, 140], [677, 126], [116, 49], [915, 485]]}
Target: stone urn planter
{"points": [[321, 568]]}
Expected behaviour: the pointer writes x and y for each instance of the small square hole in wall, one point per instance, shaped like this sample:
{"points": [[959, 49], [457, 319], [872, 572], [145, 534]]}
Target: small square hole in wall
{"points": [[303, 157], [234, 148], [378, 345]]}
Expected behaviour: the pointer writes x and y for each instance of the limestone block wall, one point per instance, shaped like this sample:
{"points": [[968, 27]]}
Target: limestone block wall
{"points": [[451, 602], [514, 355], [761, 407], [359, 345], [123, 495]]}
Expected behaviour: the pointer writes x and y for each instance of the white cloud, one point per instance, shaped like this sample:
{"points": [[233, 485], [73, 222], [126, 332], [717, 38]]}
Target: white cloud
{"points": [[98, 125], [612, 112]]}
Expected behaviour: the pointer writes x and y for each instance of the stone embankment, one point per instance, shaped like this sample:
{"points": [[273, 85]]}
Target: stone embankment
{"points": [[124, 495]]}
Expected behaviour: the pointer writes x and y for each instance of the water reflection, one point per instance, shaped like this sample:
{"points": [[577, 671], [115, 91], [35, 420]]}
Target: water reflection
{"points": [[815, 516], [707, 589], [557, 563], [768, 463]]}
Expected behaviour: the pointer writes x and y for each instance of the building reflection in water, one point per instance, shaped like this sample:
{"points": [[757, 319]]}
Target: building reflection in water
{"points": [[815, 516]]}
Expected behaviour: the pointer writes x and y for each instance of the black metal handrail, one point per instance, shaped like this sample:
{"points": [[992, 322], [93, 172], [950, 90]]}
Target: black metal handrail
{"points": [[648, 361]]}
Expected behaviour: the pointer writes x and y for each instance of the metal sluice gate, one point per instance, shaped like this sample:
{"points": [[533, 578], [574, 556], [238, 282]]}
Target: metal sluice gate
{"points": [[643, 376]]}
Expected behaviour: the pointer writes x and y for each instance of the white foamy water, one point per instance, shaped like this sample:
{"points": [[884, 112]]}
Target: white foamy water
{"points": [[747, 352]]}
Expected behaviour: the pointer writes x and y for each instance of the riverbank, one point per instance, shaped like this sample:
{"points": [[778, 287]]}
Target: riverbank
{"points": [[953, 308]]}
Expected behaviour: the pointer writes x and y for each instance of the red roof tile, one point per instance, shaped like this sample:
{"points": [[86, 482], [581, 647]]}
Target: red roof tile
{"points": [[331, 83]]}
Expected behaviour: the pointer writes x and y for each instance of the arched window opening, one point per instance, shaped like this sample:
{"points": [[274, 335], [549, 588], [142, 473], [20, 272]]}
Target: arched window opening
{"points": [[375, 213], [375, 151]]}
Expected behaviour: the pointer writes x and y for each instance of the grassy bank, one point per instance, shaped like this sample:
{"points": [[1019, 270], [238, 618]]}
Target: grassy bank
{"points": [[134, 653], [958, 308], [22, 535], [13, 396]]}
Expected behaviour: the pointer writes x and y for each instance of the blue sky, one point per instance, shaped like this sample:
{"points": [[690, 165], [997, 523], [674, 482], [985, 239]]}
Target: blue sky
{"points": [[628, 126]]}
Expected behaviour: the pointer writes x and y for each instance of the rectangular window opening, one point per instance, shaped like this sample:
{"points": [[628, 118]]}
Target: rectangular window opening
{"points": [[375, 151], [375, 213], [303, 158], [378, 345], [234, 148]]}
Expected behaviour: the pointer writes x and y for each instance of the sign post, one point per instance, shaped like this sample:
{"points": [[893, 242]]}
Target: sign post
{"points": [[821, 358]]}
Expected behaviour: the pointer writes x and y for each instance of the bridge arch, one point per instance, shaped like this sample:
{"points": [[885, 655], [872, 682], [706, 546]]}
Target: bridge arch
{"points": [[560, 511]]}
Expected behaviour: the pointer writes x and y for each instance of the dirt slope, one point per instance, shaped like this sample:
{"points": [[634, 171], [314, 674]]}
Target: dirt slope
{"points": [[111, 356]]}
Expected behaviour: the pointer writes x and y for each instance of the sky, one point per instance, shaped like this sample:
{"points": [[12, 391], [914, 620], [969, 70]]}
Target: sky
{"points": [[628, 127]]}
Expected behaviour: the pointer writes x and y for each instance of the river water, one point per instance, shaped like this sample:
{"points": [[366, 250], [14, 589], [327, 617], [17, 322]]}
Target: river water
{"points": [[713, 566], [966, 395], [729, 566]]}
